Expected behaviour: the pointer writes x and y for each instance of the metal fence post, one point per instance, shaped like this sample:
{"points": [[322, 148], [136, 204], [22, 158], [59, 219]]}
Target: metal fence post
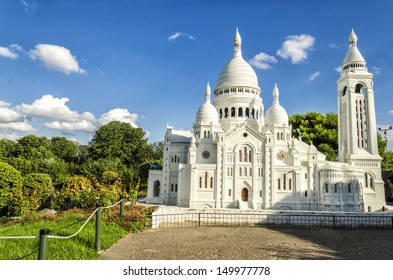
{"points": [[98, 228], [122, 207], [43, 249]]}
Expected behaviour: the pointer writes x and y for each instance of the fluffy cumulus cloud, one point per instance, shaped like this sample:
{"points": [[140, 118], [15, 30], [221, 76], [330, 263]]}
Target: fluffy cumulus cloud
{"points": [[262, 61], [7, 52], [52, 112], [313, 76], [21, 126], [119, 114], [53, 108], [56, 58], [296, 48], [180, 34], [338, 69], [81, 125]]}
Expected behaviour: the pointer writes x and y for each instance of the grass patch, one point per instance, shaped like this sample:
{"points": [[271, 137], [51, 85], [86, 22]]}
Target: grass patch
{"points": [[80, 247]]}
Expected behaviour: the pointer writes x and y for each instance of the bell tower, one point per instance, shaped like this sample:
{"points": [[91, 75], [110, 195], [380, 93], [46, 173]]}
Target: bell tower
{"points": [[357, 130], [357, 123]]}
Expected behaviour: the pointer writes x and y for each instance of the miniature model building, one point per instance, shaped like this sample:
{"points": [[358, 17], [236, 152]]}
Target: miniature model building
{"points": [[240, 156]]}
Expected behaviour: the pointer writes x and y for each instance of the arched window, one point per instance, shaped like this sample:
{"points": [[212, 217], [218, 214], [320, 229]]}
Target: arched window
{"points": [[290, 184], [211, 182], [245, 154], [326, 188], [247, 112], [305, 193], [226, 112], [253, 113], [278, 136], [359, 88], [240, 171], [335, 188], [206, 179], [171, 187], [240, 155], [245, 171], [220, 113], [200, 182], [249, 156], [279, 183], [208, 134], [250, 171], [240, 112], [229, 193], [349, 188], [232, 112], [176, 188], [204, 134]]}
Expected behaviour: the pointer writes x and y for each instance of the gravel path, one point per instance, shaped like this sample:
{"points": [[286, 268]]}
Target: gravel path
{"points": [[232, 243]]}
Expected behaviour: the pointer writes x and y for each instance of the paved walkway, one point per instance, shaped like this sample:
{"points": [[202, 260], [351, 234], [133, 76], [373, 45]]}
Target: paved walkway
{"points": [[206, 243]]}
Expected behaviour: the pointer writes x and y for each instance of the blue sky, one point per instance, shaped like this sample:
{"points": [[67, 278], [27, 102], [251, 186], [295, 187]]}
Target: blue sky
{"points": [[67, 67]]}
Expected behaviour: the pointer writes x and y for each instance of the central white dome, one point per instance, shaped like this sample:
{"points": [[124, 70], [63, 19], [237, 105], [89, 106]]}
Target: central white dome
{"points": [[237, 72]]}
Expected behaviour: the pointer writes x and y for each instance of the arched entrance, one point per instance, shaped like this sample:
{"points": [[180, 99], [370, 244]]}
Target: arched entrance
{"points": [[156, 189], [244, 194]]}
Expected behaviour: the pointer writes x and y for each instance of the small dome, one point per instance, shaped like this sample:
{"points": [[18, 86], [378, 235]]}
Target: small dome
{"points": [[353, 54], [276, 114], [207, 113], [237, 72]]}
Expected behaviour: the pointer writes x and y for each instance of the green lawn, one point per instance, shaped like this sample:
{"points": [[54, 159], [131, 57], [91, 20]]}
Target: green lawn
{"points": [[80, 247]]}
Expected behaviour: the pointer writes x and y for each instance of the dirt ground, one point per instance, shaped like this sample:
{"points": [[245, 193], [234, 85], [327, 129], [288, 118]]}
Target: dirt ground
{"points": [[253, 243]]}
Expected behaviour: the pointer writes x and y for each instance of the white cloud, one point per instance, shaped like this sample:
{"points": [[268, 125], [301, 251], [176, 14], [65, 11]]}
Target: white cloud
{"points": [[4, 104], [262, 60], [6, 52], [338, 69], [28, 6], [82, 125], [333, 46], [296, 48], [119, 115], [18, 126], [9, 136], [56, 58], [178, 34], [376, 70], [8, 115], [53, 108], [313, 76]]}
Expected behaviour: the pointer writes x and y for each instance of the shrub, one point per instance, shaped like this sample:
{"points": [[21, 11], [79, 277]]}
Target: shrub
{"points": [[11, 195], [77, 192], [36, 189]]}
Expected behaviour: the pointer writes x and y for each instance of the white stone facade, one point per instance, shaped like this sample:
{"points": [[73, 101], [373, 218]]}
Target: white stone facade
{"points": [[237, 156]]}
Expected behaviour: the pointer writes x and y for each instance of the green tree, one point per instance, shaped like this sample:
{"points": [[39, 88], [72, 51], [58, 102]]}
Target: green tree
{"points": [[7, 148], [319, 129], [120, 140], [33, 147], [64, 149]]}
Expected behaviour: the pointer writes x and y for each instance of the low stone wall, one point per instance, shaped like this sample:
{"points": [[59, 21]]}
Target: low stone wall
{"points": [[171, 217]]}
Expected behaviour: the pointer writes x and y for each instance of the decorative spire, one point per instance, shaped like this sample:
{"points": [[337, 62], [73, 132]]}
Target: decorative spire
{"points": [[207, 93], [352, 40], [276, 93], [237, 44]]}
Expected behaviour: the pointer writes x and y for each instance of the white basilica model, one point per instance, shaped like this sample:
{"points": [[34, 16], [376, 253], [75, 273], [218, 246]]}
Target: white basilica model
{"points": [[238, 156]]}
